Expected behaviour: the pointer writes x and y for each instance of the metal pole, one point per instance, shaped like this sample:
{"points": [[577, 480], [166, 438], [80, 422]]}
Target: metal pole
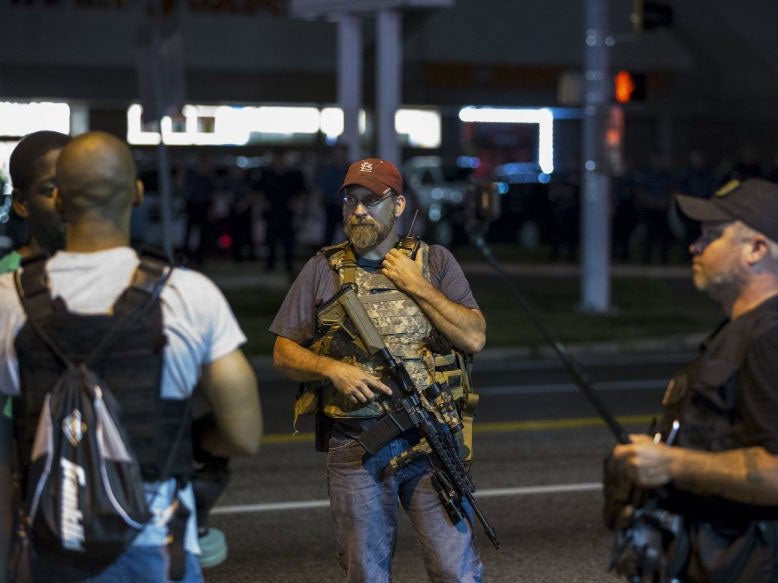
{"points": [[163, 164], [388, 83], [595, 203], [350, 80]]}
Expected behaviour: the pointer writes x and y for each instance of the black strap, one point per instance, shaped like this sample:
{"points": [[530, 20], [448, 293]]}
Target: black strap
{"points": [[32, 286], [33, 290], [148, 281]]}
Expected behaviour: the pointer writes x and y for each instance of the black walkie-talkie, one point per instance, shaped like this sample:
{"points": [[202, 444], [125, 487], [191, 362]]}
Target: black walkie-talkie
{"points": [[410, 243]]}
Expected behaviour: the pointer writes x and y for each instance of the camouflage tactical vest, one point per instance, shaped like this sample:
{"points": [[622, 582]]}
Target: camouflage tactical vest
{"points": [[408, 335]]}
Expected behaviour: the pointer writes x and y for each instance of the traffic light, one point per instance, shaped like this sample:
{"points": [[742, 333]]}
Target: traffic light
{"points": [[629, 87]]}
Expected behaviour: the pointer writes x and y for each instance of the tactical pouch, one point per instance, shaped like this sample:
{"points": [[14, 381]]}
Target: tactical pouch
{"points": [[470, 404], [617, 492], [452, 371]]}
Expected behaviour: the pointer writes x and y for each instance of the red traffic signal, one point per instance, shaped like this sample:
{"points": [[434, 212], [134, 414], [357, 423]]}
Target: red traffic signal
{"points": [[629, 87]]}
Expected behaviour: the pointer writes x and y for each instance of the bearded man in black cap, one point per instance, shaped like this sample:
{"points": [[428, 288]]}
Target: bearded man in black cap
{"points": [[714, 462], [421, 305]]}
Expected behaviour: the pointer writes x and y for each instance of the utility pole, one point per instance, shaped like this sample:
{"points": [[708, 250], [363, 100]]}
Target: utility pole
{"points": [[388, 82], [161, 87], [350, 80], [596, 194]]}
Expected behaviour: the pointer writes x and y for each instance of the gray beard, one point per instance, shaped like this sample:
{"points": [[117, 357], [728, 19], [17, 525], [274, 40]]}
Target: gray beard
{"points": [[724, 288], [367, 236]]}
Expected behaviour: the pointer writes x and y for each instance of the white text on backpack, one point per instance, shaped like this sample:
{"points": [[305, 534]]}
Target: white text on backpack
{"points": [[73, 476]]}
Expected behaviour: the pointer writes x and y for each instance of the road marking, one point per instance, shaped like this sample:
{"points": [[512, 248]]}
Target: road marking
{"points": [[487, 493], [496, 427], [530, 490], [271, 507]]}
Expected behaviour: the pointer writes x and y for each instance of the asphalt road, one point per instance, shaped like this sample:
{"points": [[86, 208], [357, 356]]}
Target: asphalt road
{"points": [[538, 446]]}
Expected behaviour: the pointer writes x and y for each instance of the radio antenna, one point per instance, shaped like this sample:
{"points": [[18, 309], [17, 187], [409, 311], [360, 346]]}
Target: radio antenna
{"points": [[413, 220]]}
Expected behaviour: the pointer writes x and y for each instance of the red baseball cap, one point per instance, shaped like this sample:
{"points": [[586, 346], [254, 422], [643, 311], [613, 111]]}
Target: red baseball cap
{"points": [[378, 176]]}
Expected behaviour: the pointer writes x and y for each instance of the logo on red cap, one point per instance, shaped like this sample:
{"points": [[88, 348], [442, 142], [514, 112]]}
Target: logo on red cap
{"points": [[379, 176]]}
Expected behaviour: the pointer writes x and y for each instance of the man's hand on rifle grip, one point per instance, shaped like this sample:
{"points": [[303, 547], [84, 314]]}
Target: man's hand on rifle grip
{"points": [[356, 384]]}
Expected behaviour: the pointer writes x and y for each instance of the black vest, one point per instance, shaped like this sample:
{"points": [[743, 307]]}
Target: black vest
{"points": [[702, 397], [131, 368]]}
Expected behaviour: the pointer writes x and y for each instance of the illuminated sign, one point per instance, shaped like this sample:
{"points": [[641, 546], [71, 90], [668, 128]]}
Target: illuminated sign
{"points": [[20, 119], [319, 8], [222, 125], [543, 118], [168, 6]]}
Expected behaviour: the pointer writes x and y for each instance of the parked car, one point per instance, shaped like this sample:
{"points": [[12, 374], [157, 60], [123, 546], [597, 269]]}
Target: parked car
{"points": [[439, 191]]}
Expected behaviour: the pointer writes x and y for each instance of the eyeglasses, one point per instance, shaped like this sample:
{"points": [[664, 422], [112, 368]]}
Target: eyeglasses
{"points": [[369, 202]]}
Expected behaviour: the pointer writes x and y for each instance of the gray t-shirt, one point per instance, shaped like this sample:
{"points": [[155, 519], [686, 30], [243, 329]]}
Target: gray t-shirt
{"points": [[318, 282]]}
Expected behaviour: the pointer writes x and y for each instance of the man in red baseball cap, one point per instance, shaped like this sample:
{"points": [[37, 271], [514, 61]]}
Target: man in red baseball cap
{"points": [[421, 304], [717, 461], [379, 176]]}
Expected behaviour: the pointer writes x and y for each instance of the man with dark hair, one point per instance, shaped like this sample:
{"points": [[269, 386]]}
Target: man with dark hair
{"points": [[196, 337], [32, 168], [422, 306], [716, 455]]}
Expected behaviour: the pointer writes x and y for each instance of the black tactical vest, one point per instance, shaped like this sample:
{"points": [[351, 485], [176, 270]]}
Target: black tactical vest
{"points": [[702, 397], [131, 367]]}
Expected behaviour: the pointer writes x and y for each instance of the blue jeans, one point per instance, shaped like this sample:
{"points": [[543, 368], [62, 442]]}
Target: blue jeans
{"points": [[365, 510], [139, 564]]}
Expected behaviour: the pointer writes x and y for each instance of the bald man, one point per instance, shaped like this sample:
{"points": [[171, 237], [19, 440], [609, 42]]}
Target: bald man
{"points": [[97, 188]]}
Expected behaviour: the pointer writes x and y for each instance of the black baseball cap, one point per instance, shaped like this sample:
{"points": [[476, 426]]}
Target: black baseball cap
{"points": [[753, 202]]}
